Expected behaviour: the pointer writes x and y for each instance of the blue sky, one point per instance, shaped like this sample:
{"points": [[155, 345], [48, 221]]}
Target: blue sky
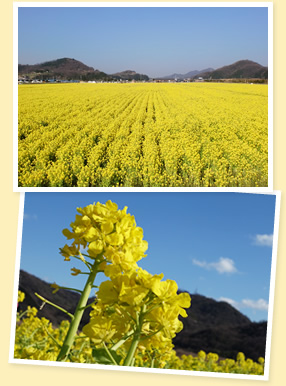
{"points": [[215, 244], [155, 41]]}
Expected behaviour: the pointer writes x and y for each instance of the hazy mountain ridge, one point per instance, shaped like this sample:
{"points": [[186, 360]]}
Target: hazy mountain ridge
{"points": [[188, 75], [211, 326], [67, 68], [241, 69]]}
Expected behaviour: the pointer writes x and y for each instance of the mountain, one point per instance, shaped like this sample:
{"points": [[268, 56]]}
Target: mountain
{"points": [[211, 326], [218, 327], [190, 74], [129, 75], [65, 65], [64, 68], [71, 69], [29, 284], [240, 69]]}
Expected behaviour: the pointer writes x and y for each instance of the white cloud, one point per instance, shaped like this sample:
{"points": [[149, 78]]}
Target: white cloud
{"points": [[202, 264], [232, 302], [223, 265], [259, 304], [263, 240]]}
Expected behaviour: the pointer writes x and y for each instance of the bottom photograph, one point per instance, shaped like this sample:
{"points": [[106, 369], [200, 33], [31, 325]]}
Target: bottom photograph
{"points": [[176, 283]]}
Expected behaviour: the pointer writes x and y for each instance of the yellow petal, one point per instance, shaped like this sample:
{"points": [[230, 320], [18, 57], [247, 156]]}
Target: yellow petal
{"points": [[95, 248]]}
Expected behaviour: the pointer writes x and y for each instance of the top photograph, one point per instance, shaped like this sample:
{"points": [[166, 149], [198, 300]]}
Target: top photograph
{"points": [[143, 95]]}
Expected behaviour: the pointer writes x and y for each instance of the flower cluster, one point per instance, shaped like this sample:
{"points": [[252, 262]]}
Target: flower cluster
{"points": [[105, 231], [132, 302], [133, 298]]}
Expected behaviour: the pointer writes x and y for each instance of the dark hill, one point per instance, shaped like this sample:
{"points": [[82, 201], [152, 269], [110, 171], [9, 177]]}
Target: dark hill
{"points": [[210, 326], [30, 284], [241, 69], [218, 327], [206, 311], [130, 75], [64, 68], [59, 65]]}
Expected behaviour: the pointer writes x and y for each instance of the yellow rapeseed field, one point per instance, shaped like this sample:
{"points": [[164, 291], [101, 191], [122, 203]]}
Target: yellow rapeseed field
{"points": [[152, 134]]}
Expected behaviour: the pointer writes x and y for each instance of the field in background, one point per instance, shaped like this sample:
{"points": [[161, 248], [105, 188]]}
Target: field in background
{"points": [[153, 134]]}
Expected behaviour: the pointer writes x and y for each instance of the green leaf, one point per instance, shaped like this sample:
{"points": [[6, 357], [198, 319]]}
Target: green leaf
{"points": [[104, 358]]}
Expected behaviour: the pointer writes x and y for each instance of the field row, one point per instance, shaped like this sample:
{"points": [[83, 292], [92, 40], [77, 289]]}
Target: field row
{"points": [[143, 135]]}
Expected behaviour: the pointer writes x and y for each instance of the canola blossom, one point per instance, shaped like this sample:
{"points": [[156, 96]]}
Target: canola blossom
{"points": [[135, 315], [37, 339], [103, 229], [187, 134], [132, 302], [140, 302]]}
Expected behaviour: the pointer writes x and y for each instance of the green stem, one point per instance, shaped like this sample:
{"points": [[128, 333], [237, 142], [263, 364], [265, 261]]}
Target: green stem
{"points": [[70, 289], [54, 305], [89, 305], [51, 336], [69, 339], [87, 263], [109, 354], [121, 341], [22, 314], [152, 334], [136, 338]]}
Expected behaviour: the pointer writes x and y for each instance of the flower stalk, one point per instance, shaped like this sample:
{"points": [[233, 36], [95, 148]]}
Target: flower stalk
{"points": [[52, 304], [69, 339], [136, 338]]}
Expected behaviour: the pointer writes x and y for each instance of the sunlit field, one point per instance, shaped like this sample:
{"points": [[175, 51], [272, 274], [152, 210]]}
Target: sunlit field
{"points": [[152, 134]]}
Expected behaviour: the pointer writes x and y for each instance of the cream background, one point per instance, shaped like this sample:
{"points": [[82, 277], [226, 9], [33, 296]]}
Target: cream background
{"points": [[31, 375]]}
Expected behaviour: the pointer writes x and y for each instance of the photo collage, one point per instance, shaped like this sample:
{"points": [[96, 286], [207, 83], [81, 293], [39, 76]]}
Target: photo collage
{"points": [[143, 155]]}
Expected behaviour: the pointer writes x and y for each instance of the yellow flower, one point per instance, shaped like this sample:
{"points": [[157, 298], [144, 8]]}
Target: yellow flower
{"points": [[91, 234], [107, 226], [68, 251], [21, 296], [100, 330], [107, 292], [114, 239], [111, 206], [56, 287], [75, 271], [95, 248]]}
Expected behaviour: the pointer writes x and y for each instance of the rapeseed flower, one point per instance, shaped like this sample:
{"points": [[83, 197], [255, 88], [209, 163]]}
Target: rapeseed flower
{"points": [[149, 135]]}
